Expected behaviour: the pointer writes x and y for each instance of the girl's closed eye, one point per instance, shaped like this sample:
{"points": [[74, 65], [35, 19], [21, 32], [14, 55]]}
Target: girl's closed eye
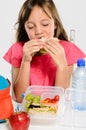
{"points": [[30, 26], [45, 23]]}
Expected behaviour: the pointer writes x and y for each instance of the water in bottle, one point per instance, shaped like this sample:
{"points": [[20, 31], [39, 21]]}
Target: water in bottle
{"points": [[79, 84]]}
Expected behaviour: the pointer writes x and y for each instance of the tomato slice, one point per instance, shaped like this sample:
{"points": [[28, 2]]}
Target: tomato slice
{"points": [[47, 100], [53, 101], [57, 98]]}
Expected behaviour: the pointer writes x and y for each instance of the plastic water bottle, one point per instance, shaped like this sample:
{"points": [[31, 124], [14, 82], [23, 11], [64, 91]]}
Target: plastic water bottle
{"points": [[79, 75], [79, 86]]}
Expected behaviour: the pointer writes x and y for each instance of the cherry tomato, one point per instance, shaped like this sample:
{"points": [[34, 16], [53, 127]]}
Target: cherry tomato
{"points": [[57, 98], [47, 100], [53, 101]]}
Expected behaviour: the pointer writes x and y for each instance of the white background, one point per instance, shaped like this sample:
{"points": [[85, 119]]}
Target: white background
{"points": [[73, 15]]}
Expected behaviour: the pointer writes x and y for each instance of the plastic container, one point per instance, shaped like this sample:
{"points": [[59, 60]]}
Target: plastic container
{"points": [[79, 75], [41, 111], [75, 110]]}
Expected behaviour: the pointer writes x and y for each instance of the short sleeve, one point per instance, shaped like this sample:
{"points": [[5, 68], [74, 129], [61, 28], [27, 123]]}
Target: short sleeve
{"points": [[73, 52], [14, 54]]}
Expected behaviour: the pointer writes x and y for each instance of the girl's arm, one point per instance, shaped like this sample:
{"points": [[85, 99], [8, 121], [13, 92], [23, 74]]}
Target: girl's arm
{"points": [[20, 79], [21, 76], [57, 53], [63, 76]]}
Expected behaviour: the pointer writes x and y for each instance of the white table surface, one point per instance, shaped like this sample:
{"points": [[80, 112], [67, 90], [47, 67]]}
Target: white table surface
{"points": [[5, 126]]}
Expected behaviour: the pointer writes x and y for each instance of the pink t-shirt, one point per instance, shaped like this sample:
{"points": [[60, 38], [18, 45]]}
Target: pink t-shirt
{"points": [[43, 68]]}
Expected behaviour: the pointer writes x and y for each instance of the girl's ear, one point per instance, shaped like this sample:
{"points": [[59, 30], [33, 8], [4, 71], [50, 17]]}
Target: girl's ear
{"points": [[54, 25], [25, 27]]}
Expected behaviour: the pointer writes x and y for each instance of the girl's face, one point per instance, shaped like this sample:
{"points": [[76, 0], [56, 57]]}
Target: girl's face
{"points": [[39, 24]]}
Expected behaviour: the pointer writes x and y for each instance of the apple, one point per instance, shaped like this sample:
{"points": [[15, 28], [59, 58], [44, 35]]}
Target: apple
{"points": [[19, 121]]}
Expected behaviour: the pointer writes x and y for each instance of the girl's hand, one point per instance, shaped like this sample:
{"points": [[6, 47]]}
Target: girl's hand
{"points": [[30, 48], [56, 51]]}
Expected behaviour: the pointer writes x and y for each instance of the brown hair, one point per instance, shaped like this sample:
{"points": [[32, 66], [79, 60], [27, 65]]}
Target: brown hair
{"points": [[25, 11]]}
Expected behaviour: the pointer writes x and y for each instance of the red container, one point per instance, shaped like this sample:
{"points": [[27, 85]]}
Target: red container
{"points": [[6, 106]]}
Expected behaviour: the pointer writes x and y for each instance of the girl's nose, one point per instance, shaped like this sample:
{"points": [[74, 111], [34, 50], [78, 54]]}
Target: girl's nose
{"points": [[38, 30]]}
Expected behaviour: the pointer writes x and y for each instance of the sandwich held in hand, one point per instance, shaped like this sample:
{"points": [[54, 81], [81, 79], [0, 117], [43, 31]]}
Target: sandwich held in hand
{"points": [[43, 51]]}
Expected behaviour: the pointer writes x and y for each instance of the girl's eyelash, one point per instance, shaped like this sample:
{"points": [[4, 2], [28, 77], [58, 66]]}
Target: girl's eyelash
{"points": [[30, 27], [45, 24], [33, 26]]}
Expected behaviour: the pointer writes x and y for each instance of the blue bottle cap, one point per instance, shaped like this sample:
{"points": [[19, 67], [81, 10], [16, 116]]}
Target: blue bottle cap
{"points": [[3, 83], [81, 62]]}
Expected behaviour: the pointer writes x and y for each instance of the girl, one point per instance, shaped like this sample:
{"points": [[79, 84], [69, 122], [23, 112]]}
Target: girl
{"points": [[42, 54]]}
